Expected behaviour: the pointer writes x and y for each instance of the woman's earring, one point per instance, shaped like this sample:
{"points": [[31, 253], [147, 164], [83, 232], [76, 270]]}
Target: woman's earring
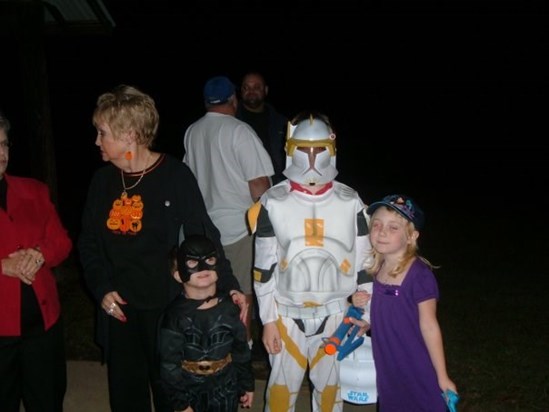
{"points": [[128, 155]]}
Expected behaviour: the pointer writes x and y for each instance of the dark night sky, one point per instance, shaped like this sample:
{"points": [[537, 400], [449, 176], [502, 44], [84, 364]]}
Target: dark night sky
{"points": [[446, 101]]}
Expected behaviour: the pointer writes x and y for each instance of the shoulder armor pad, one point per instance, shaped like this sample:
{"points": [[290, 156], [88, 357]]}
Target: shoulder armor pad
{"points": [[344, 191], [278, 192]]}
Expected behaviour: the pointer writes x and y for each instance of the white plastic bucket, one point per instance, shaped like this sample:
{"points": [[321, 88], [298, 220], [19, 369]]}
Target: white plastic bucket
{"points": [[358, 375]]}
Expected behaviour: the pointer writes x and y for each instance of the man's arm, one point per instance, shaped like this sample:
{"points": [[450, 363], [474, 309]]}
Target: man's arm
{"points": [[258, 186]]}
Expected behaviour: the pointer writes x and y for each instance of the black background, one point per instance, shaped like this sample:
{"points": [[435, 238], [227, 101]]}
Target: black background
{"points": [[445, 101]]}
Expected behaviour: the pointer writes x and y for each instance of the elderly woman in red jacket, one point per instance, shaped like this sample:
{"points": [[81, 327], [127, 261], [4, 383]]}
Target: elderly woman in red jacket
{"points": [[33, 241]]}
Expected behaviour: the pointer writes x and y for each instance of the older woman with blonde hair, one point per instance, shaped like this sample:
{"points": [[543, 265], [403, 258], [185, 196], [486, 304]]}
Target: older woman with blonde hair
{"points": [[136, 208]]}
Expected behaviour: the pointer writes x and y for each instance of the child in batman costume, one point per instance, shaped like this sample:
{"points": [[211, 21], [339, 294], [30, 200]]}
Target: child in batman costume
{"points": [[205, 360]]}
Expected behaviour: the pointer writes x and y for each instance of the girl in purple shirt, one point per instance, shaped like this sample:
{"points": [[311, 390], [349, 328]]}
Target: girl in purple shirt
{"points": [[406, 337]]}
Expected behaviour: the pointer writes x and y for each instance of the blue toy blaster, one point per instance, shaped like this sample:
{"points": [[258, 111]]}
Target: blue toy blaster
{"points": [[337, 342], [451, 399]]}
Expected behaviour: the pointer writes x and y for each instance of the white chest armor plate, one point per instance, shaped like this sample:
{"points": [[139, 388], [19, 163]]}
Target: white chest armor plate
{"points": [[316, 245]]}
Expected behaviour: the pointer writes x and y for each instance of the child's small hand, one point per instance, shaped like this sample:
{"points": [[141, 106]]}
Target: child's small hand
{"points": [[246, 400], [451, 398], [271, 338], [360, 298], [362, 326]]}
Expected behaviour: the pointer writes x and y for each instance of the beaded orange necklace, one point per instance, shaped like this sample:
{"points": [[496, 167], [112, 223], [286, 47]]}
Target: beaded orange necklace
{"points": [[126, 213]]}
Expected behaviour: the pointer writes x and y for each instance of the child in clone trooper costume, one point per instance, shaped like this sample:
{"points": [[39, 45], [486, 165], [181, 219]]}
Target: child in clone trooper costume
{"points": [[311, 240], [205, 360]]}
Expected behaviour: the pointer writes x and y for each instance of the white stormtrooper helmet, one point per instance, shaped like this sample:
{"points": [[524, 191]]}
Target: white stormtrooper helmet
{"points": [[307, 167]]}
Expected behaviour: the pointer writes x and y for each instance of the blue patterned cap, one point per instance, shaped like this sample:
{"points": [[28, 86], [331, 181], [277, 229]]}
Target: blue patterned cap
{"points": [[404, 205]]}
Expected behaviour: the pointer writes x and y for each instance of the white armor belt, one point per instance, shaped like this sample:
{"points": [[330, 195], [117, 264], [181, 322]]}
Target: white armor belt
{"points": [[311, 312]]}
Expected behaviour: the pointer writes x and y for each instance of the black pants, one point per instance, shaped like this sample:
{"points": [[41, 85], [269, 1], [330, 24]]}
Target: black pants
{"points": [[33, 369], [133, 368]]}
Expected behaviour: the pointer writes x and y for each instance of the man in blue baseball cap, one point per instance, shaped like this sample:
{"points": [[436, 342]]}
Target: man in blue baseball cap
{"points": [[233, 169]]}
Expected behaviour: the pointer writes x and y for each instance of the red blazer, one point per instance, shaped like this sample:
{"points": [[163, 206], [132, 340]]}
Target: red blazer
{"points": [[31, 221]]}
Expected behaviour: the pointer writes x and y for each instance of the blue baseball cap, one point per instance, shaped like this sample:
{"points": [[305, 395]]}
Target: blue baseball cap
{"points": [[402, 204], [218, 90]]}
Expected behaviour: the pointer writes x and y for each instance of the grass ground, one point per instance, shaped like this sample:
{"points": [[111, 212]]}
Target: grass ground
{"points": [[492, 311]]}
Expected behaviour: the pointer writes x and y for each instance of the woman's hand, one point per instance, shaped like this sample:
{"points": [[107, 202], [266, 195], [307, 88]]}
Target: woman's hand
{"points": [[23, 264], [239, 299], [111, 304]]}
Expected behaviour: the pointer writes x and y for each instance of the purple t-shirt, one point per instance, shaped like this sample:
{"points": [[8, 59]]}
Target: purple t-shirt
{"points": [[406, 378]]}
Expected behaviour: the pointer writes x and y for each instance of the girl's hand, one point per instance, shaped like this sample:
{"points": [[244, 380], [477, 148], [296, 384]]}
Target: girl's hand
{"points": [[361, 324], [360, 298]]}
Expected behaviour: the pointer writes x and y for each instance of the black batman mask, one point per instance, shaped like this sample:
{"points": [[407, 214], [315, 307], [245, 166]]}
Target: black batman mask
{"points": [[194, 255]]}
